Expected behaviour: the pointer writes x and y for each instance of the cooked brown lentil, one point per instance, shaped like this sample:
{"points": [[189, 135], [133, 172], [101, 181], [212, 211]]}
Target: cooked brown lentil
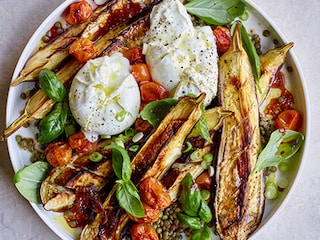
{"points": [[168, 225], [257, 42], [29, 144]]}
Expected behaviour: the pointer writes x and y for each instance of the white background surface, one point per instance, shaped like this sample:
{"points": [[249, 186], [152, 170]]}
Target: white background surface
{"points": [[299, 21]]}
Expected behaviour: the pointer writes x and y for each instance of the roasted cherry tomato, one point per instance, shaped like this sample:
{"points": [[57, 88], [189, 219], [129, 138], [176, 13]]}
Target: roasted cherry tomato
{"points": [[151, 214], [81, 144], [143, 231], [223, 39], [134, 55], [141, 73], [82, 49], [58, 153], [154, 193], [289, 119], [204, 181], [78, 12], [152, 91], [142, 125]]}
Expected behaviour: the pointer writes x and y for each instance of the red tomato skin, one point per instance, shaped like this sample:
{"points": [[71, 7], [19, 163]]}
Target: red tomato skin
{"points": [[141, 73], [289, 119], [134, 55], [58, 153], [151, 214], [152, 91], [204, 181], [82, 49], [81, 144], [223, 38], [143, 231], [154, 193], [78, 12]]}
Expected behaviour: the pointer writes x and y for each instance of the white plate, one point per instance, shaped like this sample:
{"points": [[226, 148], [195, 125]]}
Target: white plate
{"points": [[257, 22]]}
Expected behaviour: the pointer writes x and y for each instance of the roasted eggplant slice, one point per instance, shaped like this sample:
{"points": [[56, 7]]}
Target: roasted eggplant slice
{"points": [[239, 197], [39, 105], [105, 18], [158, 154], [271, 62]]}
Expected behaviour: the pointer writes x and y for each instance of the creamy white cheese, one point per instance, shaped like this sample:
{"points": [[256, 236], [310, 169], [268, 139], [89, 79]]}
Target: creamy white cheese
{"points": [[104, 97], [181, 57]]}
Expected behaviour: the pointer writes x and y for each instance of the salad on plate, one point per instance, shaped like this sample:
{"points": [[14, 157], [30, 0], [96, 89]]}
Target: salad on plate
{"points": [[154, 119]]}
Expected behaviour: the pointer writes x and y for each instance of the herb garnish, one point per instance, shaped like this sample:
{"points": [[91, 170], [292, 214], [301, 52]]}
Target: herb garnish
{"points": [[281, 146], [216, 12], [60, 119], [127, 194]]}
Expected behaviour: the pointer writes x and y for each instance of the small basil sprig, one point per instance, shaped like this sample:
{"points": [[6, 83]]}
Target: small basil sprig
{"points": [[127, 194], [155, 111], [281, 146], [196, 212], [52, 86], [52, 125], [60, 119], [217, 12], [202, 127]]}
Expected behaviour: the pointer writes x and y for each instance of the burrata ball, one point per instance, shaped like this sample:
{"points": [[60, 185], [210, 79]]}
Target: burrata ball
{"points": [[104, 97]]}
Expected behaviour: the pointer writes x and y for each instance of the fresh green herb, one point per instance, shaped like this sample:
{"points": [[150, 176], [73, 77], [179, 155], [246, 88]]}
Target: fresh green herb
{"points": [[218, 12], [134, 148], [120, 116], [252, 53], [28, 180], [95, 157], [196, 155], [188, 147], [53, 125], [190, 222], [196, 212], [129, 199], [271, 192], [120, 162], [205, 212], [281, 146], [127, 194], [155, 111], [201, 234], [52, 86], [202, 128]]}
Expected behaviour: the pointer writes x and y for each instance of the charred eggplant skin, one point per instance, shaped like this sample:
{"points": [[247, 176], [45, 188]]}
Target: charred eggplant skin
{"points": [[239, 198]]}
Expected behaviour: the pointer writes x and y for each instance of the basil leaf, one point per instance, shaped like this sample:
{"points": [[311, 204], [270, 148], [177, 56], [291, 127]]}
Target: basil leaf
{"points": [[217, 12], [191, 222], [281, 146], [128, 198], [252, 53], [28, 180], [205, 213], [202, 128], [52, 86], [120, 162], [155, 111], [52, 126], [201, 234], [190, 197]]}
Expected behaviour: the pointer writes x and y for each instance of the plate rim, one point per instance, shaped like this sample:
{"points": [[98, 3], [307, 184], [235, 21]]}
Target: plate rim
{"points": [[35, 38]]}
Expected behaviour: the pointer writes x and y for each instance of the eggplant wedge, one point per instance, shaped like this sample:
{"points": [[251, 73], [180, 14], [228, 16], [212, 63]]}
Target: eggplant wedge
{"points": [[122, 36], [159, 152], [271, 62], [239, 198], [105, 18]]}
